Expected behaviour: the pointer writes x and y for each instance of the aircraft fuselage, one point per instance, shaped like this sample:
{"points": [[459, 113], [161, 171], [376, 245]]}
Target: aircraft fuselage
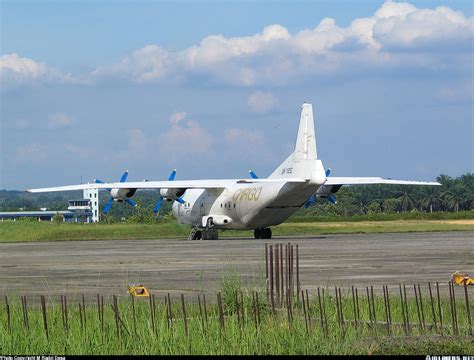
{"points": [[243, 206]]}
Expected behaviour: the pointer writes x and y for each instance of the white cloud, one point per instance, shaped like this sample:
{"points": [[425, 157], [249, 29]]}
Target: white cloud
{"points": [[396, 35], [408, 27], [137, 141], [16, 70], [262, 102], [176, 117], [59, 120], [186, 138], [31, 153], [275, 55], [248, 144]]}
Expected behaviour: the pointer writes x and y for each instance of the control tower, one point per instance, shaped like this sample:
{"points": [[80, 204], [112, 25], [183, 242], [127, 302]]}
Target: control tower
{"points": [[93, 196]]}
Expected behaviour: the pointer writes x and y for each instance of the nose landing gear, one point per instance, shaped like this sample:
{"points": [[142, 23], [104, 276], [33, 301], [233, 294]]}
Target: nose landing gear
{"points": [[265, 233]]}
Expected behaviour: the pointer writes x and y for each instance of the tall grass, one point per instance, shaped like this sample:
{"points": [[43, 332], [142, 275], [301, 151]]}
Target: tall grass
{"points": [[272, 333]]}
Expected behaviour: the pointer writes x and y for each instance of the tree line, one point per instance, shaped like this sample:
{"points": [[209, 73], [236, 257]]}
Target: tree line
{"points": [[454, 195]]}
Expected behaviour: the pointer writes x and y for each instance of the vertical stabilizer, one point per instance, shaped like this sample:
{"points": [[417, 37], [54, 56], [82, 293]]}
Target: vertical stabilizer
{"points": [[305, 147], [303, 162]]}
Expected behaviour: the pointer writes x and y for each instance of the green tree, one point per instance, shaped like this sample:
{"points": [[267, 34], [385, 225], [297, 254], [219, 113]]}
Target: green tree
{"points": [[454, 197], [431, 198], [406, 196]]}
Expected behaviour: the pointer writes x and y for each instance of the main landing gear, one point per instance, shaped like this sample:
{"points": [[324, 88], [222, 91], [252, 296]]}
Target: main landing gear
{"points": [[208, 233], [265, 233]]}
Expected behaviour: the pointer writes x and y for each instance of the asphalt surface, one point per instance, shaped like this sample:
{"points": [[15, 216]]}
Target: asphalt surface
{"points": [[73, 268]]}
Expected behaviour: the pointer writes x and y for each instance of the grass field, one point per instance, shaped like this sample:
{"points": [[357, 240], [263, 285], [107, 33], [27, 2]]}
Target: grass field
{"points": [[241, 323], [18, 231]]}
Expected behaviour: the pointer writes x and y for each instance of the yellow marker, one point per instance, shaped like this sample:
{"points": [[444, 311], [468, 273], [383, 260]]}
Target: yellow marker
{"points": [[462, 278], [138, 291]]}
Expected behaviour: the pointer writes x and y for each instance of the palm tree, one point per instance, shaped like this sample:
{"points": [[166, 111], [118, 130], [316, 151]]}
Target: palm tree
{"points": [[431, 198], [407, 196], [361, 201], [454, 197]]}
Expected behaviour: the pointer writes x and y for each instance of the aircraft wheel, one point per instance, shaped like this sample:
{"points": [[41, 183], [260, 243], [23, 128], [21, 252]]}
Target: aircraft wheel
{"points": [[198, 235], [267, 233], [257, 233], [205, 235]]}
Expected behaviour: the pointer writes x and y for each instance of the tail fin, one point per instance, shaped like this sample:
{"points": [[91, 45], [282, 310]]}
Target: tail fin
{"points": [[303, 162], [305, 148]]}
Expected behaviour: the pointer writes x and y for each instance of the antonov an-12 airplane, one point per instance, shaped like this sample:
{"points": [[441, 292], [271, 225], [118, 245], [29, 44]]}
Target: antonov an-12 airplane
{"points": [[247, 204]]}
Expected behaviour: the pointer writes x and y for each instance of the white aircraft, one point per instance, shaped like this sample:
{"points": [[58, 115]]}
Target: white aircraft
{"points": [[247, 204]]}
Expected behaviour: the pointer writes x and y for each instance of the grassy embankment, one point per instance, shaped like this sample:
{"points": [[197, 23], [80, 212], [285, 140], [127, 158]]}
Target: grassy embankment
{"points": [[16, 231]]}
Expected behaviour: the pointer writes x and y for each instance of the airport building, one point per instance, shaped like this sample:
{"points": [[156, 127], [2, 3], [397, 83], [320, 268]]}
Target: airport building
{"points": [[84, 210]]}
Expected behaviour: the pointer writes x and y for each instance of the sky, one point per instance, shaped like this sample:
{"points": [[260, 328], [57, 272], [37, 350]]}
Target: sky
{"points": [[214, 88]]}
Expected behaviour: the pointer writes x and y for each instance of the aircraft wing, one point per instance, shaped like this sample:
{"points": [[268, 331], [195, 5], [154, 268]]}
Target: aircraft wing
{"points": [[374, 180], [175, 184]]}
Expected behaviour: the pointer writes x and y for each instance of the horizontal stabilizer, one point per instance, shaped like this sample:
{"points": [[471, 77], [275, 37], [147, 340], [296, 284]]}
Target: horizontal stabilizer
{"points": [[374, 180]]}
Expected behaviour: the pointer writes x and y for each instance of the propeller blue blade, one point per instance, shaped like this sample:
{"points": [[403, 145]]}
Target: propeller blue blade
{"points": [[310, 202], [253, 175], [158, 205], [124, 176], [328, 172], [97, 181], [131, 202], [172, 175], [108, 205], [332, 198], [181, 201]]}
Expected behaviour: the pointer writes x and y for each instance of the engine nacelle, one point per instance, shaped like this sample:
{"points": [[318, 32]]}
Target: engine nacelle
{"points": [[121, 195], [171, 194], [325, 190]]}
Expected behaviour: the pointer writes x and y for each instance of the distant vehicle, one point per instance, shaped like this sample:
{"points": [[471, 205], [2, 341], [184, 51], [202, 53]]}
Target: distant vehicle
{"points": [[247, 204]]}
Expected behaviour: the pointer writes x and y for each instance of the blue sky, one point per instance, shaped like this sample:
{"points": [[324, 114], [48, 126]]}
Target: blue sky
{"points": [[213, 89]]}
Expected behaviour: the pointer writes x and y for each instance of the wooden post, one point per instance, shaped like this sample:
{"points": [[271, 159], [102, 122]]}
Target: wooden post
{"points": [[152, 315], [184, 315], [403, 311], [267, 282], [433, 314], [45, 317], [272, 289], [421, 307], [406, 307], [298, 285], [281, 273], [468, 311], [320, 311], [7, 310], [277, 271], [439, 310]]}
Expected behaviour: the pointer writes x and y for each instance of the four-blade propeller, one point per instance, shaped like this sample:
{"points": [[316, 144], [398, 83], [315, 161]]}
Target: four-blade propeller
{"points": [[161, 198], [108, 206]]}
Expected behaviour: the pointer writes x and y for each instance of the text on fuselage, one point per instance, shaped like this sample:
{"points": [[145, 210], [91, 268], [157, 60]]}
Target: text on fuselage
{"points": [[250, 194]]}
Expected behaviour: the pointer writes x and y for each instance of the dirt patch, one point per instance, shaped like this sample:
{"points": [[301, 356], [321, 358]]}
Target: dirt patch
{"points": [[459, 222]]}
